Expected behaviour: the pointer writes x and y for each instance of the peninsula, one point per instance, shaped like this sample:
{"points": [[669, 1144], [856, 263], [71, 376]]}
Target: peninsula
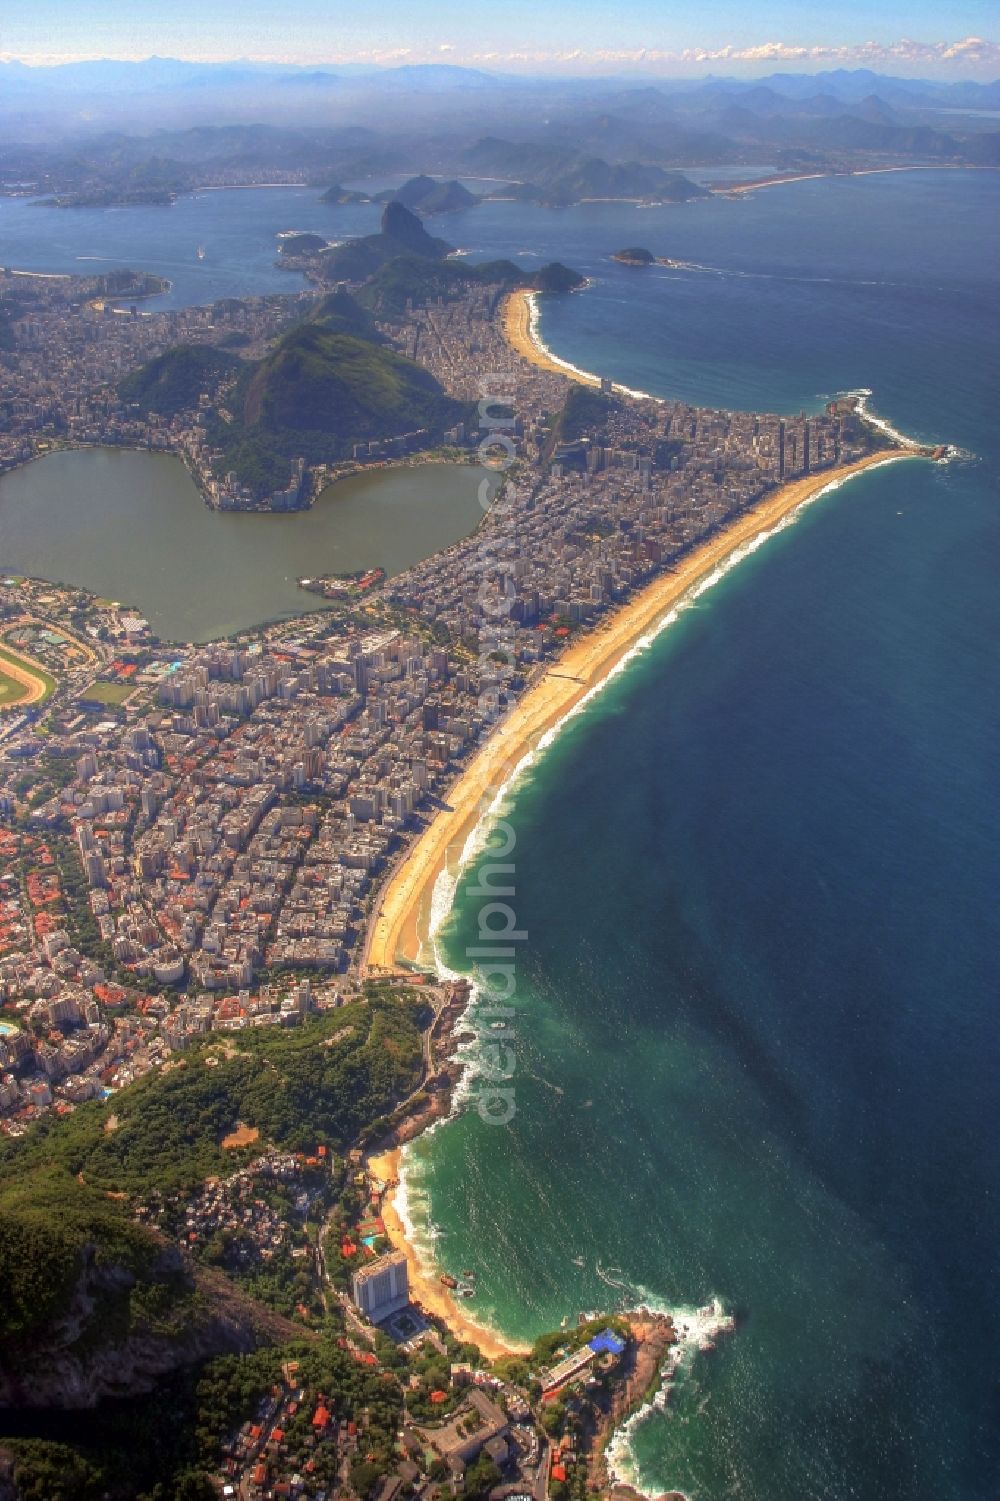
{"points": [[222, 858]]}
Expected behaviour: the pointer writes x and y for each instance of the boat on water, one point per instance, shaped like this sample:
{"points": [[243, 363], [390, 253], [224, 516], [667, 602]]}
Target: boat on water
{"points": [[447, 1280], [201, 252]]}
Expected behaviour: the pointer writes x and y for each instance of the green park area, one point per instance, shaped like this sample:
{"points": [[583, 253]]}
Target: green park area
{"points": [[108, 693]]}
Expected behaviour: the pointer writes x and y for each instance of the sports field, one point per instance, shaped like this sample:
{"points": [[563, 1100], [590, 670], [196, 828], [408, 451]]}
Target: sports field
{"points": [[22, 682]]}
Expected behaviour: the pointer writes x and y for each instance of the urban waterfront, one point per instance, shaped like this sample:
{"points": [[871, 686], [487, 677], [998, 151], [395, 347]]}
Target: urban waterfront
{"points": [[762, 1068], [131, 526], [755, 1006]]}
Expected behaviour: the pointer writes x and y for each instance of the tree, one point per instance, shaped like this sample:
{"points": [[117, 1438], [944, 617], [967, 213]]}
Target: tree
{"points": [[364, 1474], [194, 1485], [481, 1477]]}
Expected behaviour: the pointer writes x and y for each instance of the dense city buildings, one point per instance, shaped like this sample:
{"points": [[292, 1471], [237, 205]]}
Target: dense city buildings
{"points": [[195, 836]]}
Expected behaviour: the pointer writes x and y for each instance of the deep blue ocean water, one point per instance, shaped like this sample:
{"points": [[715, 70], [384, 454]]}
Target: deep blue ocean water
{"points": [[756, 1043]]}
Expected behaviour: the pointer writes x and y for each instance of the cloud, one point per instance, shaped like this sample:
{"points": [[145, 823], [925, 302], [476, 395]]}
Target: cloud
{"points": [[970, 51], [978, 51]]}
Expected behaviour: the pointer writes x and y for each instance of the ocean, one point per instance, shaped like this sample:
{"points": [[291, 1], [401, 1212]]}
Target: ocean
{"points": [[756, 1026], [756, 1010]]}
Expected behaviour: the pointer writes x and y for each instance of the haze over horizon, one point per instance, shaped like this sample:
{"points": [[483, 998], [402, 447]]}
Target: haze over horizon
{"points": [[955, 39]]}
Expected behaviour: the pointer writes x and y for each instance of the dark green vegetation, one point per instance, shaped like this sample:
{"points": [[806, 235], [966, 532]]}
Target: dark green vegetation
{"points": [[401, 234], [48, 1224], [305, 244], [585, 412], [634, 255], [95, 1303], [328, 384], [558, 278], [173, 381], [162, 1447], [323, 1083]]}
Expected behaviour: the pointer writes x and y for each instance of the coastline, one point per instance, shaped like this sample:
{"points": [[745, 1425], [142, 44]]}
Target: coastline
{"points": [[425, 1289], [402, 921], [518, 319], [738, 189], [405, 916]]}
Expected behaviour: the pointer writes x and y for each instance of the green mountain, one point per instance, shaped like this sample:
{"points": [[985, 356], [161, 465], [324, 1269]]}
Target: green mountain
{"points": [[328, 384], [426, 196], [95, 1303], [555, 277], [401, 234], [173, 381]]}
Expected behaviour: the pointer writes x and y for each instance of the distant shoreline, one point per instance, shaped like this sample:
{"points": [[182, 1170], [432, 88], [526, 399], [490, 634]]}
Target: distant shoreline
{"points": [[738, 189]]}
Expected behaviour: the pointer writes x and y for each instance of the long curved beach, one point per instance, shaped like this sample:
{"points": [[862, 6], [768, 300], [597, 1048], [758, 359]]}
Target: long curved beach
{"points": [[401, 925]]}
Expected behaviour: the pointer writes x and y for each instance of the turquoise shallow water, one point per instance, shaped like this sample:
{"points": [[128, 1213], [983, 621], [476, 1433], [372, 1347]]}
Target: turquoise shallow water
{"points": [[756, 1032]]}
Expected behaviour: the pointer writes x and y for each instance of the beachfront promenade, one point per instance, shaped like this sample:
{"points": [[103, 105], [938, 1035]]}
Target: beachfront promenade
{"points": [[282, 803]]}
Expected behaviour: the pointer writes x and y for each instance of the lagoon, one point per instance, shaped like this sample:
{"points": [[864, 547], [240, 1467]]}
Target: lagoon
{"points": [[131, 526]]}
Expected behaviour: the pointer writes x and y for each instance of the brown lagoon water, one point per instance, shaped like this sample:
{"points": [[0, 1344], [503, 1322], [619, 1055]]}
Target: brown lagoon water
{"points": [[132, 526]]}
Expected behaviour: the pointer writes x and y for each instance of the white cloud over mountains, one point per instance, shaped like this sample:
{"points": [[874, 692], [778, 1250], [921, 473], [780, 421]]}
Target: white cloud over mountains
{"points": [[967, 52]]}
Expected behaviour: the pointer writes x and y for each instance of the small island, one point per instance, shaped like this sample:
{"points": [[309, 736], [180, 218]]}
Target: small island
{"points": [[302, 244], [634, 255]]}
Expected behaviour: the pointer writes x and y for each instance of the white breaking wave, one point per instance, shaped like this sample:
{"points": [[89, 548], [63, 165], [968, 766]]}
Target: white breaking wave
{"points": [[864, 395], [534, 325], [697, 1331]]}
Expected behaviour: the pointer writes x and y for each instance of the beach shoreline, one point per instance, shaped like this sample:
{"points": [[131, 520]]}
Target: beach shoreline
{"points": [[518, 319], [401, 923], [425, 1287]]}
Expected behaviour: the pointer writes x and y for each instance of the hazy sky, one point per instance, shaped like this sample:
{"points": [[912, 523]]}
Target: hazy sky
{"points": [[943, 38]]}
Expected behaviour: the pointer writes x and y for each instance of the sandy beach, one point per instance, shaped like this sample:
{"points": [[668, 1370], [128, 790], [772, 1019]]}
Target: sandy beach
{"points": [[402, 919], [516, 323], [425, 1288]]}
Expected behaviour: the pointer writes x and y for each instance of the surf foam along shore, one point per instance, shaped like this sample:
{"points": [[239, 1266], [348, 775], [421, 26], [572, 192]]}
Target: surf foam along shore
{"points": [[697, 1331], [521, 323], [403, 920], [421, 890], [420, 893]]}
